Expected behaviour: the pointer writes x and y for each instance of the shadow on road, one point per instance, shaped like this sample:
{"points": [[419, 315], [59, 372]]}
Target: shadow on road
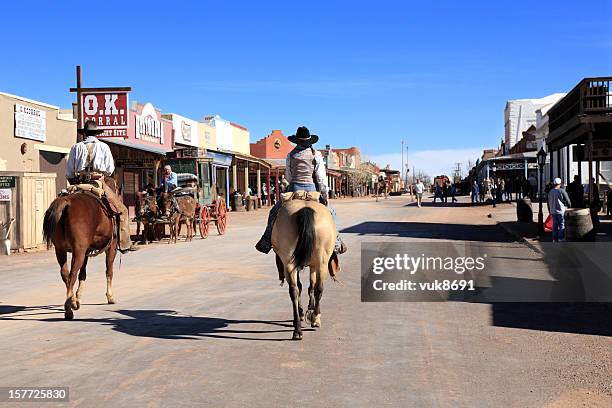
{"points": [[578, 318], [430, 230], [167, 324]]}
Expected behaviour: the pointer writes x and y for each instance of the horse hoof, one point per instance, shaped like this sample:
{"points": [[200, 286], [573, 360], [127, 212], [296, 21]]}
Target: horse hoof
{"points": [[316, 322], [76, 305], [297, 335], [111, 300], [309, 316], [68, 315]]}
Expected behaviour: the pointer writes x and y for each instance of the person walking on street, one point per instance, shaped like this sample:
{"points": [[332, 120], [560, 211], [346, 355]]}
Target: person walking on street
{"points": [[419, 189], [482, 191], [437, 193], [475, 192], [453, 191], [558, 202]]}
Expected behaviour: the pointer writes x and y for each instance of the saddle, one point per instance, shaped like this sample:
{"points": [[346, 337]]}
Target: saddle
{"points": [[95, 189], [300, 195]]}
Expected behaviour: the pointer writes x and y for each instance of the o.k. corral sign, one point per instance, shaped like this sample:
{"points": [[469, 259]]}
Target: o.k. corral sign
{"points": [[108, 108]]}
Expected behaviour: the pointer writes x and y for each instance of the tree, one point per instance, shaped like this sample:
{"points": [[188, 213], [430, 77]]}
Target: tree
{"points": [[424, 177]]}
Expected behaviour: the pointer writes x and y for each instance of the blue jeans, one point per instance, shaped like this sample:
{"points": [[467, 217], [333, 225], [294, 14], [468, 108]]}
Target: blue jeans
{"points": [[558, 229], [267, 235]]}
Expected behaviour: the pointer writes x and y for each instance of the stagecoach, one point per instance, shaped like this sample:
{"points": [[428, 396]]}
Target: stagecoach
{"points": [[193, 168]]}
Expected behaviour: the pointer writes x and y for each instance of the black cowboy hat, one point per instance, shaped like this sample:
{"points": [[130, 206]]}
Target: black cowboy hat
{"points": [[90, 129], [303, 137]]}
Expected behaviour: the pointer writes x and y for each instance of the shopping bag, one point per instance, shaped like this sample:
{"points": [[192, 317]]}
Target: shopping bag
{"points": [[548, 224]]}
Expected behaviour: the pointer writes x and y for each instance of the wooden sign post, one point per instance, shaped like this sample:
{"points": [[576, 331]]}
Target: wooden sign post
{"points": [[108, 107]]}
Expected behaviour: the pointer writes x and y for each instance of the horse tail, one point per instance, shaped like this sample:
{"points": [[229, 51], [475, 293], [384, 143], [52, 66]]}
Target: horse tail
{"points": [[53, 216], [306, 237]]}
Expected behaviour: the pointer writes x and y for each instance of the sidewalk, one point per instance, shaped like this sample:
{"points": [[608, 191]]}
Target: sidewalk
{"points": [[505, 214]]}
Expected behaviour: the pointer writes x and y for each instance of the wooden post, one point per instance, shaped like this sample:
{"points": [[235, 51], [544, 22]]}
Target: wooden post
{"points": [[277, 190], [568, 170], [590, 157], [79, 137], [246, 178], [259, 180], [235, 177], [269, 194]]}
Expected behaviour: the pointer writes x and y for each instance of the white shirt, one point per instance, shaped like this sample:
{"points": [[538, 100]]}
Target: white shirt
{"points": [[101, 161], [320, 172], [419, 188]]}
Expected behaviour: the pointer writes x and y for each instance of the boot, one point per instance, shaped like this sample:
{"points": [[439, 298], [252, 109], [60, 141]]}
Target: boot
{"points": [[263, 246], [340, 246]]}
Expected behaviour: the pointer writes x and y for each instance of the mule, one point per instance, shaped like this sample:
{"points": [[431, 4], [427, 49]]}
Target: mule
{"points": [[146, 212], [183, 212], [304, 235], [79, 223]]}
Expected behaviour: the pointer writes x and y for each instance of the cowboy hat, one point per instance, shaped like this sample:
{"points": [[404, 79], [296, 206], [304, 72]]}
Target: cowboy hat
{"points": [[303, 137], [90, 129]]}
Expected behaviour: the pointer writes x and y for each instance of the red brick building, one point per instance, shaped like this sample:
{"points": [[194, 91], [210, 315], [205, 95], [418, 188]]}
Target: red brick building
{"points": [[274, 146]]}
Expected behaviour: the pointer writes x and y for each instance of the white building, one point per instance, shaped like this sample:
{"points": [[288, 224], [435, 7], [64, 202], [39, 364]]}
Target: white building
{"points": [[520, 114]]}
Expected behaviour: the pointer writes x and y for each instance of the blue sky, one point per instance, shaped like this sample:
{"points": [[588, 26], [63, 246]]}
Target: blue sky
{"points": [[435, 73]]}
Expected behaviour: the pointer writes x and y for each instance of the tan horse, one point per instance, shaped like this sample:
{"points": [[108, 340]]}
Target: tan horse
{"points": [[304, 234]]}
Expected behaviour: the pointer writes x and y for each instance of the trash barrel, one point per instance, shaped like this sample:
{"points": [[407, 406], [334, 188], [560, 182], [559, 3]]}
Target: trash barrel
{"points": [[237, 203], [524, 212], [578, 225]]}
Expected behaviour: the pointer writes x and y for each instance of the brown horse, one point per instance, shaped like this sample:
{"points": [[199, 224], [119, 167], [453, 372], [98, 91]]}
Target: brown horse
{"points": [[79, 223], [146, 212], [182, 212], [304, 234]]}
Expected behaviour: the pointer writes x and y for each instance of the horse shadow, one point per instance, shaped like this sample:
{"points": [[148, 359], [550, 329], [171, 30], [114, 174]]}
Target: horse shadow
{"points": [[168, 324]]}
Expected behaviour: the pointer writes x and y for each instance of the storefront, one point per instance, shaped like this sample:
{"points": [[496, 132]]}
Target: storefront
{"points": [[36, 138], [138, 156]]}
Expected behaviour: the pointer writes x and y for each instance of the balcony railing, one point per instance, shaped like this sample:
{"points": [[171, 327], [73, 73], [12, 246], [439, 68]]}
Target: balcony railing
{"points": [[590, 96]]}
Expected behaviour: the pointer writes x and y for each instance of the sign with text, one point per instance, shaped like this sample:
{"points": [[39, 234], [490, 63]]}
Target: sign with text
{"points": [[30, 123], [7, 181], [109, 109], [5, 194]]}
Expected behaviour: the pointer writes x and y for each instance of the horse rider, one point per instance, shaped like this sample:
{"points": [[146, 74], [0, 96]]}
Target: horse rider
{"points": [[90, 160], [305, 170]]}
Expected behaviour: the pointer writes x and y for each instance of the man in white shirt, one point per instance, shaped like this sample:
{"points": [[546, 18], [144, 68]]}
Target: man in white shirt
{"points": [[419, 189], [90, 160]]}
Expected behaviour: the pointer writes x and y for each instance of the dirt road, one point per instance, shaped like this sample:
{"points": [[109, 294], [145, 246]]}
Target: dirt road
{"points": [[206, 324]]}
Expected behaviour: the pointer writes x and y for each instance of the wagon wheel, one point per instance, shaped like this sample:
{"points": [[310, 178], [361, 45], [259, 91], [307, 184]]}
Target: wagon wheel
{"points": [[221, 221], [204, 221]]}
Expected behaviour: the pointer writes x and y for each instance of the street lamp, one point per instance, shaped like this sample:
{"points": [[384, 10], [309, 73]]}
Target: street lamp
{"points": [[494, 193], [541, 163]]}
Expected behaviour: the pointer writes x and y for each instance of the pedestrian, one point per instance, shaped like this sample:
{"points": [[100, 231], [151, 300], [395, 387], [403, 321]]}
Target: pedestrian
{"points": [[558, 202], [453, 191], [264, 194], [475, 192], [575, 191], [437, 193], [419, 189], [445, 191], [482, 191], [509, 190]]}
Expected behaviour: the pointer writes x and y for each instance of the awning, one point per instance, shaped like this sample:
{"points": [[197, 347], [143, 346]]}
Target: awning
{"points": [[151, 149], [51, 148]]}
